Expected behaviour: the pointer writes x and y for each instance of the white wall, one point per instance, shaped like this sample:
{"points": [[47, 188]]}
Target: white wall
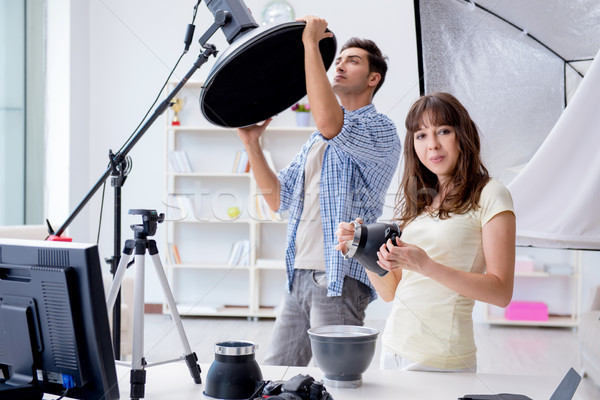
{"points": [[109, 58], [67, 136], [113, 81]]}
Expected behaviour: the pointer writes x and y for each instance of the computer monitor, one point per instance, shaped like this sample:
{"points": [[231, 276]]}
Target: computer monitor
{"points": [[54, 331]]}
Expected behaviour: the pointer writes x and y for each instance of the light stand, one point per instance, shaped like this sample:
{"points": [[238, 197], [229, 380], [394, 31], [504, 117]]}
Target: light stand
{"points": [[138, 247], [119, 173], [118, 165]]}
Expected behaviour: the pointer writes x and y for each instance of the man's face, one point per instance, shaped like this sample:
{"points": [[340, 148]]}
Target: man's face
{"points": [[352, 71]]}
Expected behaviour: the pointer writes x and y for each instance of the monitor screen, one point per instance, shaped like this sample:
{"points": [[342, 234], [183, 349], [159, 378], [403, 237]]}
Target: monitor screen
{"points": [[54, 330]]}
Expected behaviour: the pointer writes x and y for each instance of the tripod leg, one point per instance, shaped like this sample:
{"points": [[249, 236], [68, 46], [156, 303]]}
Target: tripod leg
{"points": [[190, 358], [138, 314], [138, 373], [117, 280], [137, 380]]}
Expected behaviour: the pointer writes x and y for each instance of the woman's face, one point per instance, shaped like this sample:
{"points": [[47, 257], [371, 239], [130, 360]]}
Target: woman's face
{"points": [[437, 148]]}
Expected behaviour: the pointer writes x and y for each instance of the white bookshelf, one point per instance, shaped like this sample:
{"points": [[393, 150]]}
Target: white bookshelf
{"points": [[560, 291], [203, 283]]}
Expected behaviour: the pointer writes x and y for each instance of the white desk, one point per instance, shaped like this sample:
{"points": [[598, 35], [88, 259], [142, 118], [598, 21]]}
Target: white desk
{"points": [[173, 381], [385, 384]]}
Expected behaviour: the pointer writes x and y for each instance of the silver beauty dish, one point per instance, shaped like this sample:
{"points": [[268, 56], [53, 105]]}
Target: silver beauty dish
{"points": [[343, 352]]}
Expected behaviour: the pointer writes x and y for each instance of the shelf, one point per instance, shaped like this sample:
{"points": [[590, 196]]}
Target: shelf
{"points": [[225, 311], [553, 321], [272, 221], [298, 129], [201, 129], [560, 292], [209, 266], [541, 274], [207, 237], [270, 130], [280, 267], [228, 221], [214, 221], [209, 175]]}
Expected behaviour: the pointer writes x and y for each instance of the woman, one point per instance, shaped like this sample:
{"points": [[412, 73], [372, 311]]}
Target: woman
{"points": [[457, 243]]}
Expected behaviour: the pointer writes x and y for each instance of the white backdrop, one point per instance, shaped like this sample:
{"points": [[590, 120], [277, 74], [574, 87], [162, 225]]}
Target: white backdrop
{"points": [[556, 194]]}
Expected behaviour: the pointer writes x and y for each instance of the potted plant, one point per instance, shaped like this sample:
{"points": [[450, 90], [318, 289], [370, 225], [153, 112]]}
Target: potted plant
{"points": [[302, 111]]}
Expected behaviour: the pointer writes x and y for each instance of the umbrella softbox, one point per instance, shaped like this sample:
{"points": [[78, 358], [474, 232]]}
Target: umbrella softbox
{"points": [[510, 62]]}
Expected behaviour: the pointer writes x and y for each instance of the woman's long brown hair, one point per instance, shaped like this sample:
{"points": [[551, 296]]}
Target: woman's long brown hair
{"points": [[419, 185]]}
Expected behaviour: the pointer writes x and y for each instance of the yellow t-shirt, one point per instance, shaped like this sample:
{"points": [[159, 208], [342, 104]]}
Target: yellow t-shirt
{"points": [[430, 324]]}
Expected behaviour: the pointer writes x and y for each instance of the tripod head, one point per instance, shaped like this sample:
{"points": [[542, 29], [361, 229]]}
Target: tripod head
{"points": [[150, 221]]}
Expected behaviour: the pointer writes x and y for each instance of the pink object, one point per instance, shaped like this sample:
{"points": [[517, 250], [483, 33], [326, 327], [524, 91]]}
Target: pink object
{"points": [[524, 266], [526, 311]]}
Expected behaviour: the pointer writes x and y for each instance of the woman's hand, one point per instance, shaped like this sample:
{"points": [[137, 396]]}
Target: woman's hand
{"points": [[345, 234], [402, 255]]}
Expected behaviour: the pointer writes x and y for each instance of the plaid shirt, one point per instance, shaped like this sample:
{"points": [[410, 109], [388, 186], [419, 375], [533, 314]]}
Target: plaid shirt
{"points": [[358, 166]]}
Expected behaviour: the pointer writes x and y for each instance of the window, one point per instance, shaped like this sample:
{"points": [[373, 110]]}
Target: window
{"points": [[21, 111]]}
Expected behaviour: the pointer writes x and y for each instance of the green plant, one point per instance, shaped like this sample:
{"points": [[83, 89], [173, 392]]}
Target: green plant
{"points": [[301, 107]]}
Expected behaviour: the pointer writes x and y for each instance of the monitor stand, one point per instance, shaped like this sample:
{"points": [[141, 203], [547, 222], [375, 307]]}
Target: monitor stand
{"points": [[17, 381], [23, 392]]}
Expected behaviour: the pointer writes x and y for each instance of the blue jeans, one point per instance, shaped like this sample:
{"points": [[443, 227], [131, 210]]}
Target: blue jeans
{"points": [[308, 306]]}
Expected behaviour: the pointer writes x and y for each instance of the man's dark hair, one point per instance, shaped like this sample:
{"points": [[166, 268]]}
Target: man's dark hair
{"points": [[376, 60]]}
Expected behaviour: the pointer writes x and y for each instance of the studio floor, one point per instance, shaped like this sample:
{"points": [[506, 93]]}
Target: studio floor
{"points": [[501, 349]]}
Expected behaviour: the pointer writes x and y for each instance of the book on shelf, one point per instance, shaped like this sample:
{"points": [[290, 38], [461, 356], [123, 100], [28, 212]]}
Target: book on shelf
{"points": [[174, 253], [169, 257], [241, 164], [181, 207], [263, 211], [558, 269], [240, 253], [236, 160], [179, 161]]}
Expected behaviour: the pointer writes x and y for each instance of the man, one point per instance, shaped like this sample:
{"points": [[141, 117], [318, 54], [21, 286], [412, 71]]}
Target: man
{"points": [[342, 172]]}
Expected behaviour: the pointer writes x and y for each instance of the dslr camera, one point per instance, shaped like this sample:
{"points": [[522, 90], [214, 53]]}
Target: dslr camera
{"points": [[300, 387]]}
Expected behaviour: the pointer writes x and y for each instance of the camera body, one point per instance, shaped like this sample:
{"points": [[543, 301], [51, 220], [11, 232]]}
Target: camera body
{"points": [[300, 387]]}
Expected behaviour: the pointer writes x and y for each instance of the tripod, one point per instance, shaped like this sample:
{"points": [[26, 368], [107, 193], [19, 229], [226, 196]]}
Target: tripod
{"points": [[141, 242]]}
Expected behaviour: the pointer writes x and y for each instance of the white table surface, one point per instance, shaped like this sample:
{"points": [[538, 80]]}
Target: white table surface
{"points": [[405, 385], [173, 381]]}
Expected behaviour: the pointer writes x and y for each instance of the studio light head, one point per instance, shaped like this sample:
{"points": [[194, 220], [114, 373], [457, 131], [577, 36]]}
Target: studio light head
{"points": [[240, 21], [367, 241]]}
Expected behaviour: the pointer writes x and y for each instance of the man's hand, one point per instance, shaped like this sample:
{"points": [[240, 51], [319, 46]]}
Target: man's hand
{"points": [[345, 235], [250, 134], [315, 30]]}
